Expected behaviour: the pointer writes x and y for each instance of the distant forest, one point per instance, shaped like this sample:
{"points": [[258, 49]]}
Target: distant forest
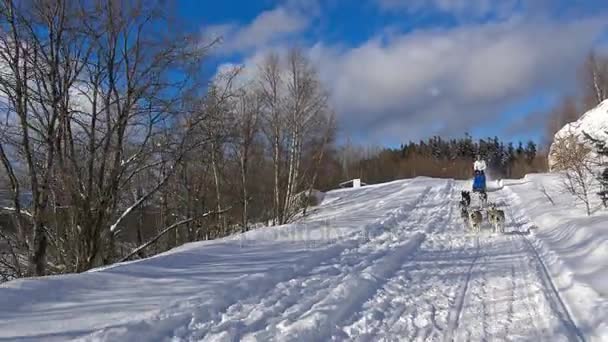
{"points": [[437, 157]]}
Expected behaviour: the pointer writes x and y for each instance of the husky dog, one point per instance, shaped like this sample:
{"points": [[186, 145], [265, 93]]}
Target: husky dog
{"points": [[466, 197], [475, 219], [483, 196], [464, 213], [496, 217]]}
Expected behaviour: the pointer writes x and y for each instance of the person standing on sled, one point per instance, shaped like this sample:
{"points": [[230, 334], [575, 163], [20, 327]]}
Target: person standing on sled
{"points": [[479, 169], [479, 164]]}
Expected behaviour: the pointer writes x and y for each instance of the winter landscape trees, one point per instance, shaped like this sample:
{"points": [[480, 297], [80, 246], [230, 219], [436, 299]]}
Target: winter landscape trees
{"points": [[111, 137], [115, 144]]}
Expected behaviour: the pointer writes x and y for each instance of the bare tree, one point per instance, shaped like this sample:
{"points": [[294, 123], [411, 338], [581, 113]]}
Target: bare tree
{"points": [[595, 79], [41, 57], [271, 88], [307, 108], [565, 112], [571, 157], [247, 112], [106, 120], [295, 110], [91, 86]]}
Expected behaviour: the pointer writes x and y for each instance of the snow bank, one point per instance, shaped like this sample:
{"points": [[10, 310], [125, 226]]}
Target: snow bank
{"points": [[594, 122], [573, 245]]}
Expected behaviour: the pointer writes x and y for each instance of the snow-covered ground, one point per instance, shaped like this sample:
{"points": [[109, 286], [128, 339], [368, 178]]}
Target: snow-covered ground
{"points": [[384, 262]]}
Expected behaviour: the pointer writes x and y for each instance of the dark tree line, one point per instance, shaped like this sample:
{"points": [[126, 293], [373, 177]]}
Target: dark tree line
{"points": [[439, 157], [499, 156]]}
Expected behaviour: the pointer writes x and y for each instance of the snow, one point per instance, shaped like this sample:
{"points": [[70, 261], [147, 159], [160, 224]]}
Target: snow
{"points": [[574, 246], [594, 122], [391, 261]]}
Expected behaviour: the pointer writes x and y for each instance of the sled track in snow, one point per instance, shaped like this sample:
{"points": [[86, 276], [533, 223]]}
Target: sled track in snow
{"points": [[414, 274], [463, 287], [442, 204], [454, 315], [557, 301], [411, 306], [313, 305]]}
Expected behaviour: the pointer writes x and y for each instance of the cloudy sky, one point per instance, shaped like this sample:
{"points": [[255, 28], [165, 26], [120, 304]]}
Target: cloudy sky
{"points": [[399, 70]]}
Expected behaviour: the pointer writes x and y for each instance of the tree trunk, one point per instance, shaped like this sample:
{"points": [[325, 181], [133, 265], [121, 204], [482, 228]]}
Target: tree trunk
{"points": [[244, 161], [276, 164], [38, 253], [216, 181]]}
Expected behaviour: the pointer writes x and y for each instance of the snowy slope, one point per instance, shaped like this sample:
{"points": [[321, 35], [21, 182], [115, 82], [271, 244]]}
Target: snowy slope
{"points": [[594, 122], [390, 261]]}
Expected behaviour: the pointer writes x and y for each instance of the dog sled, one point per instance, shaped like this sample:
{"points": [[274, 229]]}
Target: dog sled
{"points": [[479, 182], [474, 216], [479, 187]]}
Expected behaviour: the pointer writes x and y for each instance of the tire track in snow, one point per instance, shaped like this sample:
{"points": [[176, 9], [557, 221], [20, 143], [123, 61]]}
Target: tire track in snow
{"points": [[300, 298]]}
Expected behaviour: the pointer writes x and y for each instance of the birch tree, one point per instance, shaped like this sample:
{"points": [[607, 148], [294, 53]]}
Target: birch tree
{"points": [[247, 111], [307, 108], [271, 88]]}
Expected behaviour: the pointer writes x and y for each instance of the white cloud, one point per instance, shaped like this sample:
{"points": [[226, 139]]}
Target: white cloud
{"points": [[399, 86], [459, 8], [443, 81], [267, 28]]}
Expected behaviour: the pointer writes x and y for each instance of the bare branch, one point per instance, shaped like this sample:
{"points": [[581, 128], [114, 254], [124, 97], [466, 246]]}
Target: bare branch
{"points": [[168, 229]]}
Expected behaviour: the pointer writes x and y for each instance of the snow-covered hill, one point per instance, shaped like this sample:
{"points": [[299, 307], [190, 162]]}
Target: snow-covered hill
{"points": [[594, 122], [384, 262]]}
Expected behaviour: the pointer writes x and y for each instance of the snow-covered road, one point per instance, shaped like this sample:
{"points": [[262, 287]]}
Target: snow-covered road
{"points": [[465, 288], [390, 262]]}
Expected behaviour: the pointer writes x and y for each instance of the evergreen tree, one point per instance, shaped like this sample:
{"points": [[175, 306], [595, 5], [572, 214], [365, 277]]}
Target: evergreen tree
{"points": [[603, 193], [530, 151], [520, 150], [602, 150], [511, 152]]}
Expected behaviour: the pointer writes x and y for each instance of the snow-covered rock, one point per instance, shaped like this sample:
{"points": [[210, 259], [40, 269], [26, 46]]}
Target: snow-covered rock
{"points": [[594, 122]]}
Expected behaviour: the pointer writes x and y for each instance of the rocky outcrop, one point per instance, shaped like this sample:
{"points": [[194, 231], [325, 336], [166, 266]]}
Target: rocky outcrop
{"points": [[594, 122]]}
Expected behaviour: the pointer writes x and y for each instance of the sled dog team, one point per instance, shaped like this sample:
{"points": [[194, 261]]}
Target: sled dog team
{"points": [[474, 218]]}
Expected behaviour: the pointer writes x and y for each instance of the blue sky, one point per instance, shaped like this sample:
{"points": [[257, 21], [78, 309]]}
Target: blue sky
{"points": [[400, 70]]}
